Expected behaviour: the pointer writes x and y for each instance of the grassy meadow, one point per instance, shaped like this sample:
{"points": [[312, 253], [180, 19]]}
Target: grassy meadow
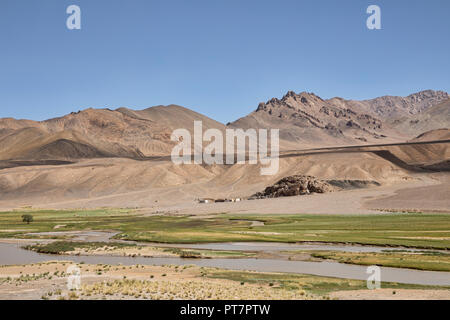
{"points": [[316, 285], [418, 230], [432, 261]]}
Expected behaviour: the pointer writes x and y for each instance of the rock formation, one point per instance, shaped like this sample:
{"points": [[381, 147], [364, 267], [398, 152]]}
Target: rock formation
{"points": [[294, 186]]}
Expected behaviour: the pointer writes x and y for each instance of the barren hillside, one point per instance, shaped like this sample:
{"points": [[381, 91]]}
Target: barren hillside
{"points": [[102, 157], [97, 133], [306, 120], [396, 107]]}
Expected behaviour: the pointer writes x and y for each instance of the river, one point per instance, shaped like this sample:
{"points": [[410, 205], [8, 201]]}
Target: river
{"points": [[14, 254]]}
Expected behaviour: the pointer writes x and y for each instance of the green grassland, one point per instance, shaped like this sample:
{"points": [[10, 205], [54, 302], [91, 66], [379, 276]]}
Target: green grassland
{"points": [[438, 261], [61, 247], [395, 229], [199, 253], [317, 285], [11, 225]]}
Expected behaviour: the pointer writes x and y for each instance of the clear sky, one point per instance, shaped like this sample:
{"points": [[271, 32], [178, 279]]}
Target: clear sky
{"points": [[217, 57]]}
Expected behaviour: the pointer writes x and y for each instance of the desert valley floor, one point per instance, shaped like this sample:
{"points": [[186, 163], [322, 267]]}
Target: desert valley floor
{"points": [[358, 185]]}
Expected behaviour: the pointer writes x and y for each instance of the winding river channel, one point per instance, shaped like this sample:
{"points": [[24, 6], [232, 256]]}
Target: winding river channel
{"points": [[14, 254]]}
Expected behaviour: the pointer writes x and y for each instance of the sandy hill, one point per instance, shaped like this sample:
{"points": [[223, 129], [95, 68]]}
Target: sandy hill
{"points": [[37, 143], [98, 133], [439, 134], [127, 182], [172, 117], [147, 130]]}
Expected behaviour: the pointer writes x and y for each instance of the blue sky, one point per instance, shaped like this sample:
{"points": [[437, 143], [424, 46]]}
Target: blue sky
{"points": [[217, 57]]}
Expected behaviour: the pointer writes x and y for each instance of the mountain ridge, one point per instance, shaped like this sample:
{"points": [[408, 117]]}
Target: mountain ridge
{"points": [[304, 119]]}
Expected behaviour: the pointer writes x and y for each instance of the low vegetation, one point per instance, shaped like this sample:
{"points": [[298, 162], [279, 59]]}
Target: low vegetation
{"points": [[60, 247], [314, 285], [132, 250], [187, 290], [48, 280], [413, 260], [27, 218], [396, 229], [194, 254]]}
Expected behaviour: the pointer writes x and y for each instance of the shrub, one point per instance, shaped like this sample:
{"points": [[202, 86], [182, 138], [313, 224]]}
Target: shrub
{"points": [[27, 218]]}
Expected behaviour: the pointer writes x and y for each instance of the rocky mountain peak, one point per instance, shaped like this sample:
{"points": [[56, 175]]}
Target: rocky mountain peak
{"points": [[395, 107], [371, 120], [428, 95]]}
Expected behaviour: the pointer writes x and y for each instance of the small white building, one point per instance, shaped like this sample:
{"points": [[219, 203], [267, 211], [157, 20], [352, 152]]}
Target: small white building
{"points": [[207, 200]]}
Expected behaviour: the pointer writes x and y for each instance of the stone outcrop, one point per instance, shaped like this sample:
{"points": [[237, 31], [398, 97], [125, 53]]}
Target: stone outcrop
{"points": [[294, 186]]}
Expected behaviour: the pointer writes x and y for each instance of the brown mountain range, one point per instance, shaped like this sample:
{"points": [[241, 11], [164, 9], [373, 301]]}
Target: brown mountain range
{"points": [[98, 133], [118, 158], [305, 120]]}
